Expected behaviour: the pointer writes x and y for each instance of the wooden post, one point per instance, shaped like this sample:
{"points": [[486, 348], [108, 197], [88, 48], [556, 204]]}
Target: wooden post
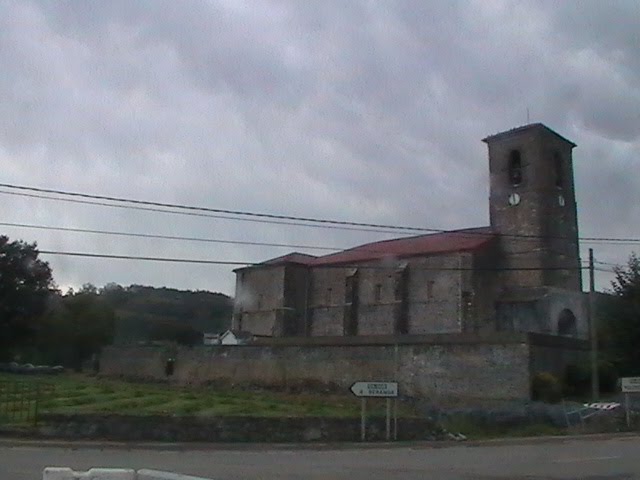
{"points": [[395, 418], [363, 420], [595, 387], [626, 410], [388, 419], [35, 408], [566, 414]]}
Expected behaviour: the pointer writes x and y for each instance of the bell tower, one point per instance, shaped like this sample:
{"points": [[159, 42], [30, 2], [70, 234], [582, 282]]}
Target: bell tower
{"points": [[532, 207]]}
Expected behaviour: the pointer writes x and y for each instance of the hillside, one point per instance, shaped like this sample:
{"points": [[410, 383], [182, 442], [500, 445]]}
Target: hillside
{"points": [[149, 313]]}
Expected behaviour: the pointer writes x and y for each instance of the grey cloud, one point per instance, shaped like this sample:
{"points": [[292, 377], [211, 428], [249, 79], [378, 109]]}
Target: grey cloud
{"points": [[350, 110]]}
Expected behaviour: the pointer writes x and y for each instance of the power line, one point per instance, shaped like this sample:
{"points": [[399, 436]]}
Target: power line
{"points": [[194, 214], [135, 257], [607, 263], [622, 241], [295, 220], [251, 264], [165, 237], [198, 239], [214, 210], [605, 270]]}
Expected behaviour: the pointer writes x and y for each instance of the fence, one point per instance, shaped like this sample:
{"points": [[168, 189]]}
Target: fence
{"points": [[20, 401]]}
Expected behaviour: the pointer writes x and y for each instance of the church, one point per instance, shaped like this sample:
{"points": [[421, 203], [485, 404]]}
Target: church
{"points": [[522, 273]]}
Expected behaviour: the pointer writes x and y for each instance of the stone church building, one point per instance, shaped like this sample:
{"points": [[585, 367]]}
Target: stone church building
{"points": [[522, 273]]}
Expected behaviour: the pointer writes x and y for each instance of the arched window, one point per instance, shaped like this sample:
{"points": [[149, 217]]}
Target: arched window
{"points": [[567, 325], [557, 164], [515, 168]]}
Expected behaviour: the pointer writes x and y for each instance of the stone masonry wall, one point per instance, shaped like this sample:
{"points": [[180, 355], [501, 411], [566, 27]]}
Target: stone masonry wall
{"points": [[436, 292], [552, 354], [327, 298], [436, 366], [260, 300], [164, 428], [436, 285]]}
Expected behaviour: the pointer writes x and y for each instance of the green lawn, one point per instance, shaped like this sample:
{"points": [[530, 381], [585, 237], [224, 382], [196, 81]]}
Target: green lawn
{"points": [[80, 394]]}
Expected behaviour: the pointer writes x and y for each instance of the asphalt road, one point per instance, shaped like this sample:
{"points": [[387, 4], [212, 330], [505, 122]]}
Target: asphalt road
{"points": [[610, 458]]}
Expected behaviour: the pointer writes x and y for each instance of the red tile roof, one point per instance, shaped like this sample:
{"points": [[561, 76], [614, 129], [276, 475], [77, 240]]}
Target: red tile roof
{"points": [[430, 244]]}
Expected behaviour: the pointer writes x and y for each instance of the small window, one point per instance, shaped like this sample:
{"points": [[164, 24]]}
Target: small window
{"points": [[400, 283], [430, 284], [515, 168], [349, 288], [378, 292], [557, 162], [169, 367]]}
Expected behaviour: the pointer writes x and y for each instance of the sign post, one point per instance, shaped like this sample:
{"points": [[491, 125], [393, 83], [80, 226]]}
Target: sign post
{"points": [[388, 419], [629, 385], [363, 419], [395, 419], [387, 390]]}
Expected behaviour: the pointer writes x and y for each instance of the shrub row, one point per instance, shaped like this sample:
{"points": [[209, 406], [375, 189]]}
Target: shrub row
{"points": [[575, 382]]}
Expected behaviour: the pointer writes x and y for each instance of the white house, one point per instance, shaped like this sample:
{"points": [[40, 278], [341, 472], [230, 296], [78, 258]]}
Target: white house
{"points": [[235, 337]]}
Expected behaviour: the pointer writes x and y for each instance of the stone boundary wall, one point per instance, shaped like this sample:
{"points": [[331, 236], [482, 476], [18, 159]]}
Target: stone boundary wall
{"points": [[460, 366], [229, 429], [552, 354]]}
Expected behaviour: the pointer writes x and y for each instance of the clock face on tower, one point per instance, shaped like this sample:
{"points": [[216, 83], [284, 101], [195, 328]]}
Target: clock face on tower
{"points": [[561, 200], [514, 199]]}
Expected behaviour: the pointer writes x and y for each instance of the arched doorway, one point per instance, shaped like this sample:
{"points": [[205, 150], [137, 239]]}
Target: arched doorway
{"points": [[567, 323]]}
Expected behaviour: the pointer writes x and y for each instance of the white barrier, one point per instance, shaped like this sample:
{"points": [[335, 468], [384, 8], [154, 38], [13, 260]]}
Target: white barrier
{"points": [[56, 473], [155, 475]]}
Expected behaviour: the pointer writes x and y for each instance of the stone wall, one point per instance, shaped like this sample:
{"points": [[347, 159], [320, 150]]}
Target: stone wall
{"points": [[228, 429], [426, 366], [552, 354], [259, 300], [327, 299], [540, 310], [436, 289], [538, 233]]}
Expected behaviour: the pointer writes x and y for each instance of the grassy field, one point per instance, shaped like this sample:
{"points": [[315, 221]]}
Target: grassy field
{"points": [[80, 394]]}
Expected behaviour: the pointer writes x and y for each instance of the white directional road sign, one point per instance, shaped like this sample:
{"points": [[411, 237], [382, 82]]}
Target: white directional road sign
{"points": [[631, 384], [375, 389]]}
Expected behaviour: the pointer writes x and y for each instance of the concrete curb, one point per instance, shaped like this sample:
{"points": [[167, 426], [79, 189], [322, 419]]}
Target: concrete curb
{"points": [[157, 446]]}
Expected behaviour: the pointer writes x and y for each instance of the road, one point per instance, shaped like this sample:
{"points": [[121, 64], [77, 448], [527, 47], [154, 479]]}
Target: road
{"points": [[602, 458]]}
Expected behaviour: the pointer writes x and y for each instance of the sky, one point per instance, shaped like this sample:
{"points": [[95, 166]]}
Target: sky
{"points": [[352, 110]]}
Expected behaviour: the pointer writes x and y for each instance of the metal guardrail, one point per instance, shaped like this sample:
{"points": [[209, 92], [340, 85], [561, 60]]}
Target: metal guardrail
{"points": [[588, 410], [20, 401]]}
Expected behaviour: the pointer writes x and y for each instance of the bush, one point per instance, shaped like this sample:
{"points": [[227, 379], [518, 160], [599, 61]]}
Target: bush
{"points": [[545, 387], [577, 379], [608, 376]]}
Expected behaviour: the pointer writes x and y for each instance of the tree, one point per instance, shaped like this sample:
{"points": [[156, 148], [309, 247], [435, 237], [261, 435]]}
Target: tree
{"points": [[621, 315], [26, 283], [77, 327]]}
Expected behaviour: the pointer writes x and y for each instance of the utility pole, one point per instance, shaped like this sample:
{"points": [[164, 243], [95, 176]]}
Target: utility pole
{"points": [[593, 330]]}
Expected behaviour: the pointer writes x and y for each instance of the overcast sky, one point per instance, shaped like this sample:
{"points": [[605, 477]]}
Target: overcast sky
{"points": [[351, 110]]}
